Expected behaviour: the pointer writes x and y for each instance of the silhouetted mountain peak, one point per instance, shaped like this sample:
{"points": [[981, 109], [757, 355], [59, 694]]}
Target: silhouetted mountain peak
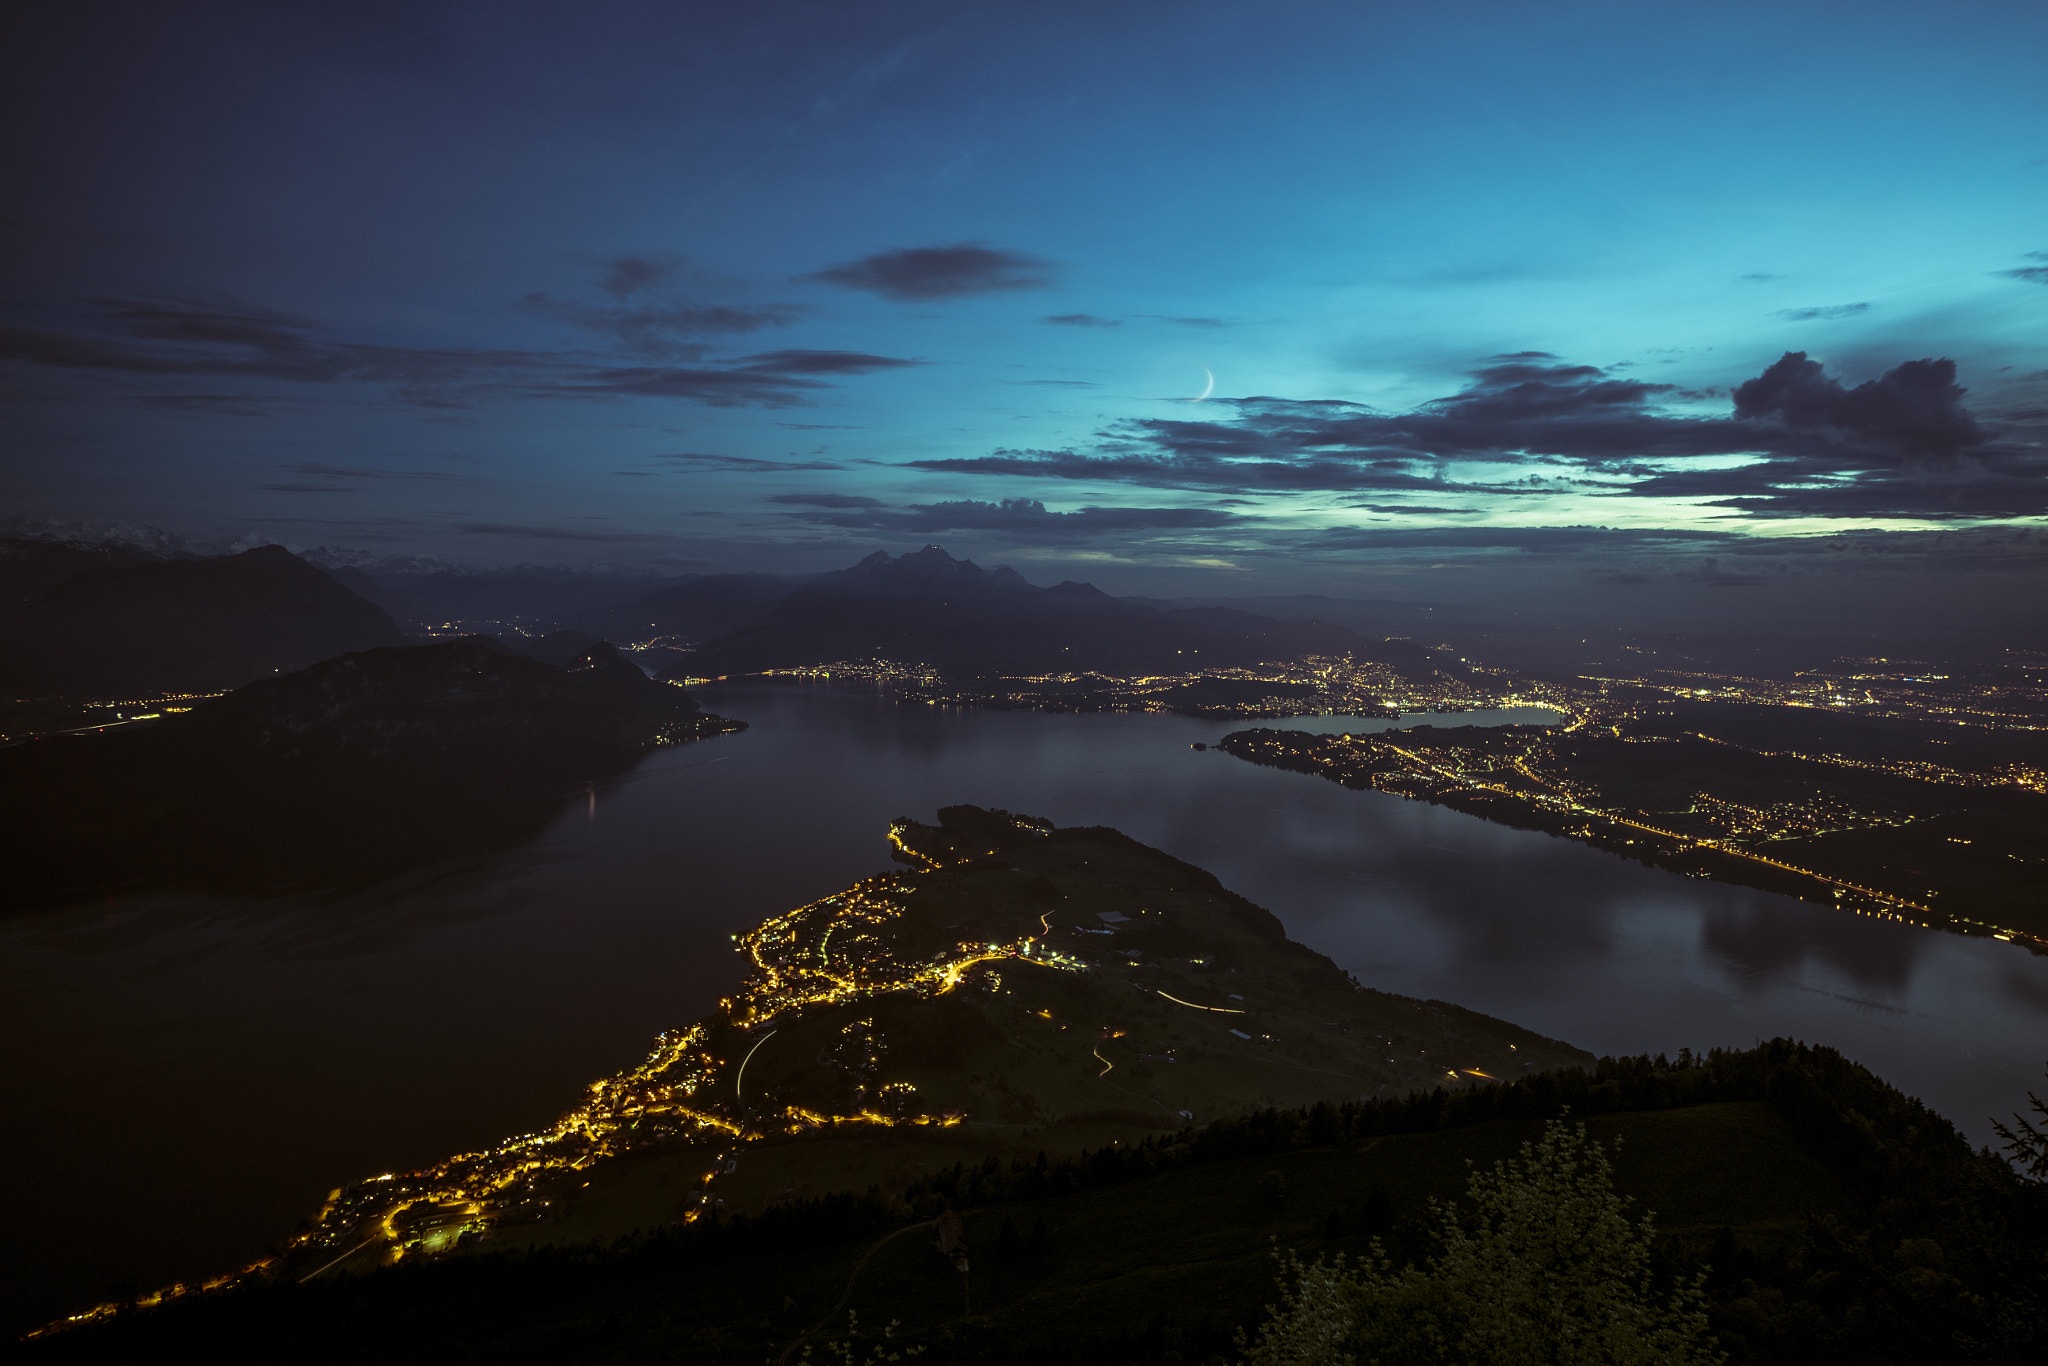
{"points": [[930, 570], [1073, 588]]}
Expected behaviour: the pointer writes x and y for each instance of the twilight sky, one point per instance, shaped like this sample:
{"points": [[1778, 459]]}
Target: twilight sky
{"points": [[1355, 298]]}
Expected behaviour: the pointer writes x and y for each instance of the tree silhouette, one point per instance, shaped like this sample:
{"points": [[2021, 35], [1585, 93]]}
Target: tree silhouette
{"points": [[1545, 1270], [2027, 1145]]}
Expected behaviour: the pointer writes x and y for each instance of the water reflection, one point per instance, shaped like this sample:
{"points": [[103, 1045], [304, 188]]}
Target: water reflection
{"points": [[1761, 935]]}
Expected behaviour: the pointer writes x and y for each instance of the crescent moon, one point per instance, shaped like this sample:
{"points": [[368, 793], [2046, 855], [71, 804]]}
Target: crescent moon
{"points": [[1208, 388]]}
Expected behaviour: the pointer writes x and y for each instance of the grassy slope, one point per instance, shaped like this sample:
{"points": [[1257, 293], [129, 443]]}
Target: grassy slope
{"points": [[1847, 1224]]}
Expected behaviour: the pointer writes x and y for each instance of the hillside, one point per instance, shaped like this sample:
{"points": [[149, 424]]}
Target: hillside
{"points": [[1837, 1220], [185, 625], [337, 775]]}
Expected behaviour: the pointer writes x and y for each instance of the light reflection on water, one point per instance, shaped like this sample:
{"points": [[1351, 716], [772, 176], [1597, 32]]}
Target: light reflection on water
{"points": [[201, 1071]]}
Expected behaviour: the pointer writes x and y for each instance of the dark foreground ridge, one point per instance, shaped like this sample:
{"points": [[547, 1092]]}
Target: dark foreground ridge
{"points": [[339, 775], [1839, 1222]]}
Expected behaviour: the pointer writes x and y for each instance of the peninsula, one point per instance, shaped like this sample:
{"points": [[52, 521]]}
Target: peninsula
{"points": [[1016, 989]]}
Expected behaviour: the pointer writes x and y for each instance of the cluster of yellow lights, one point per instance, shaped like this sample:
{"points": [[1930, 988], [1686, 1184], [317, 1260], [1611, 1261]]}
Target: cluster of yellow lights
{"points": [[794, 967]]}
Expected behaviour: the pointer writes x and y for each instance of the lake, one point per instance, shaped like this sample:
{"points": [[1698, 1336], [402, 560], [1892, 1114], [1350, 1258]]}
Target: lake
{"points": [[186, 1077]]}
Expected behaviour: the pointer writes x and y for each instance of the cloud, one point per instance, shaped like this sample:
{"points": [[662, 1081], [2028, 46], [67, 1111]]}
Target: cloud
{"points": [[1025, 519], [315, 467], [1900, 445], [214, 405], [183, 337], [1758, 277], [1059, 383], [824, 363], [1535, 539], [1195, 470], [554, 533], [827, 500], [647, 319], [743, 388], [626, 276], [744, 464], [1188, 322], [1081, 320], [1915, 408], [919, 274], [1829, 311], [2033, 274], [672, 331], [1411, 509]]}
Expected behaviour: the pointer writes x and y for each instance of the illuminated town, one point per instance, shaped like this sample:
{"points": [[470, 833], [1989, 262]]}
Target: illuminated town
{"points": [[1823, 780], [1702, 779]]}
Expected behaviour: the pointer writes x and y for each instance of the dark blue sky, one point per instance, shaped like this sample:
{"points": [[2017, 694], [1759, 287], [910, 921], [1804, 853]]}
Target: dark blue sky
{"points": [[1202, 297]]}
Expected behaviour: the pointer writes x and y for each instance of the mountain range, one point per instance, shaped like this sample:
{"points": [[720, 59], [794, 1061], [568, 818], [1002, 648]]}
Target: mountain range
{"points": [[206, 624], [929, 608]]}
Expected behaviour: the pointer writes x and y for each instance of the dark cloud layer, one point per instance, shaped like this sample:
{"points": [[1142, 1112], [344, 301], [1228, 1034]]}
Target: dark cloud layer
{"points": [[745, 464], [1555, 540], [210, 339], [1081, 320], [1915, 409], [921, 274], [827, 500], [1900, 445], [797, 362], [1024, 519]]}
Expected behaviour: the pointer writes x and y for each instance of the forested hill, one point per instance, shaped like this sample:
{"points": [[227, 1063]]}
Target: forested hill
{"points": [[1837, 1221]]}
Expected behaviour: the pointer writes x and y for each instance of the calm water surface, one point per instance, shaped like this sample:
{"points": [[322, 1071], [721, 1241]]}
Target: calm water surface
{"points": [[185, 1078]]}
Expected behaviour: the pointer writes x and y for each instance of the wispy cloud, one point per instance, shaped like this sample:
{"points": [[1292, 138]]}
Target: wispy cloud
{"points": [[745, 464], [1824, 312], [923, 274], [2033, 274], [227, 340]]}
